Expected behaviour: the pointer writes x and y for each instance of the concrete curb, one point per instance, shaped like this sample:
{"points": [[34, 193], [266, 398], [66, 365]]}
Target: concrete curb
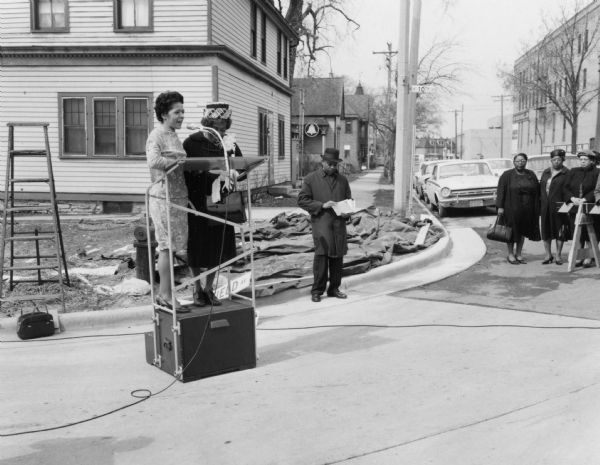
{"points": [[141, 314]]}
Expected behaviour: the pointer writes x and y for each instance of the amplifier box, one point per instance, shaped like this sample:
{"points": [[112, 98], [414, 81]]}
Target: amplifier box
{"points": [[210, 343]]}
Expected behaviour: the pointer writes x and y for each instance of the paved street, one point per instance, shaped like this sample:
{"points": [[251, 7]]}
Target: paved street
{"points": [[439, 373]]}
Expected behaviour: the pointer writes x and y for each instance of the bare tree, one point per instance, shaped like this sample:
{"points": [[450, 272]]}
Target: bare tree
{"points": [[552, 76], [312, 22]]}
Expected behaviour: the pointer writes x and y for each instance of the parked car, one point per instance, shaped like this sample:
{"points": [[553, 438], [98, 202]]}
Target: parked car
{"points": [[538, 163], [461, 184], [499, 165], [422, 174]]}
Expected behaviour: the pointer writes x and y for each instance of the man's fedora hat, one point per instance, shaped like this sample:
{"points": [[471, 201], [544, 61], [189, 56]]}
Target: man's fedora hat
{"points": [[332, 155]]}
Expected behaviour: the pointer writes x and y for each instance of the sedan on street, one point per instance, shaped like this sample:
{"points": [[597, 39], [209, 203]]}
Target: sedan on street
{"points": [[461, 184]]}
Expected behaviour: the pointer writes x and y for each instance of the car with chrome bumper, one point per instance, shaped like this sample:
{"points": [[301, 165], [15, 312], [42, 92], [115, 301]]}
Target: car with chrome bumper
{"points": [[461, 184]]}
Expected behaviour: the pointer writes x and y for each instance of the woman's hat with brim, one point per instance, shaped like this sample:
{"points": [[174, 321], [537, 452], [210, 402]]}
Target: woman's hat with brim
{"points": [[332, 156], [587, 153], [217, 110]]}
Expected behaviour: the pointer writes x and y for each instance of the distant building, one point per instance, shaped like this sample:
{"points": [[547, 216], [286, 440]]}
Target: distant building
{"points": [[485, 142], [324, 116], [92, 69], [433, 148], [540, 126]]}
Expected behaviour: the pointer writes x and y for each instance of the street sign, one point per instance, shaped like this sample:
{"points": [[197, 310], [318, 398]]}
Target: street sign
{"points": [[418, 89], [311, 130]]}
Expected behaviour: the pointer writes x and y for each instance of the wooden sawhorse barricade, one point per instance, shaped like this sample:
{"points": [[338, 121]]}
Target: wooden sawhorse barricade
{"points": [[583, 220]]}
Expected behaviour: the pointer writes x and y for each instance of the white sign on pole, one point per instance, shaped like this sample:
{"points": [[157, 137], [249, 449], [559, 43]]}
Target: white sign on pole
{"points": [[418, 89]]}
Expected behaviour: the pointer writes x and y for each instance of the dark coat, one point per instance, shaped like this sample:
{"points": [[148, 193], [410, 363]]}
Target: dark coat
{"points": [[551, 200], [519, 195], [581, 183], [328, 229], [208, 244]]}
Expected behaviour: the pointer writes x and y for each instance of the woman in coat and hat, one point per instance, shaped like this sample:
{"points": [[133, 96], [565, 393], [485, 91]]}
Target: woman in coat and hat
{"points": [[554, 225], [518, 201], [320, 191], [210, 243], [579, 188]]}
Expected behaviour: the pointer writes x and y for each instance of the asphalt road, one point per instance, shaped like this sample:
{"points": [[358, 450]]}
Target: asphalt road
{"points": [[495, 283]]}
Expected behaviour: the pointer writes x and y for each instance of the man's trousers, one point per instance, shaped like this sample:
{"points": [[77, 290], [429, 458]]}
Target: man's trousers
{"points": [[322, 266]]}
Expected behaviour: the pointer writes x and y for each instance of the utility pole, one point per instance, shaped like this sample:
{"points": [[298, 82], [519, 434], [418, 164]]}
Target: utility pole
{"points": [[462, 134], [401, 189], [389, 53], [501, 98]]}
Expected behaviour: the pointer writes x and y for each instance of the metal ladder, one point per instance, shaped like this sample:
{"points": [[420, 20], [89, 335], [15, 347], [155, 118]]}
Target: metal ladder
{"points": [[44, 260]]}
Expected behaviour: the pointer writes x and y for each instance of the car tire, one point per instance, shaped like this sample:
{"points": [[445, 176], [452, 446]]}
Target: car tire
{"points": [[442, 211]]}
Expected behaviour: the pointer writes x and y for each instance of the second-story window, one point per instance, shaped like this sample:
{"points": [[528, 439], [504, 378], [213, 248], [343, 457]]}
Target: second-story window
{"points": [[263, 38], [286, 47], [133, 15], [49, 15], [348, 126], [279, 51], [253, 30]]}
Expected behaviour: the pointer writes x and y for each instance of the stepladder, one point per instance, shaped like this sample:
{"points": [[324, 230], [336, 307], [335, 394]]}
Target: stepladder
{"points": [[31, 249], [584, 221]]}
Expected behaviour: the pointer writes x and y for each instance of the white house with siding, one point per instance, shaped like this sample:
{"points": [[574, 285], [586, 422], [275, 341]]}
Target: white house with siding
{"points": [[92, 69]]}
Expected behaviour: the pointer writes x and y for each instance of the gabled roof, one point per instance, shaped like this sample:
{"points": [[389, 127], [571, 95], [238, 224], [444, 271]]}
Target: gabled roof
{"points": [[357, 106], [322, 96]]}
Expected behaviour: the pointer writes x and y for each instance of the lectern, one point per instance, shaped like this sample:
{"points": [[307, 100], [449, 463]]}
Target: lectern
{"points": [[205, 341]]}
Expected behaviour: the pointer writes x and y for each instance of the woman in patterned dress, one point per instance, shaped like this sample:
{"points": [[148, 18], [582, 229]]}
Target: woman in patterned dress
{"points": [[163, 148]]}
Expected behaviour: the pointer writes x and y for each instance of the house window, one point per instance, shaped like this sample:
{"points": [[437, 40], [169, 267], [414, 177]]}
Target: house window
{"points": [[279, 52], [49, 15], [263, 38], [553, 126], [578, 43], [348, 126], [281, 135], [253, 29], [104, 125], [263, 133], [564, 128], [286, 48], [133, 15]]}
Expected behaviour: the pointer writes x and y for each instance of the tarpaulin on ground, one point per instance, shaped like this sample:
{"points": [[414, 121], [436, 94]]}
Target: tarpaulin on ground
{"points": [[284, 247]]}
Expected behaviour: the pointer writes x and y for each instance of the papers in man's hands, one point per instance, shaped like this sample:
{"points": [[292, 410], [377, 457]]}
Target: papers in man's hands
{"points": [[345, 207]]}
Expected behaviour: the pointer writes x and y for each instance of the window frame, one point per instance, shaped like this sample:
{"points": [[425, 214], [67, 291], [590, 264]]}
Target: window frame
{"points": [[117, 19], [279, 51], [34, 19], [281, 136], [348, 129], [263, 132], [286, 59], [263, 38], [254, 30], [89, 127]]}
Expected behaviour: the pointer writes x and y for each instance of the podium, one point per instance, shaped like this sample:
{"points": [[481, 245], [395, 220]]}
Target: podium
{"points": [[206, 341]]}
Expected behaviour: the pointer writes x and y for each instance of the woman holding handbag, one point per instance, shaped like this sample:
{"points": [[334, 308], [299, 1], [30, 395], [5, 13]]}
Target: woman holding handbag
{"points": [[518, 203], [554, 225]]}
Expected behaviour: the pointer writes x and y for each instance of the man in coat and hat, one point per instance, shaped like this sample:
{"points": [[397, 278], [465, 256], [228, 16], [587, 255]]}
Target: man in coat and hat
{"points": [[320, 192]]}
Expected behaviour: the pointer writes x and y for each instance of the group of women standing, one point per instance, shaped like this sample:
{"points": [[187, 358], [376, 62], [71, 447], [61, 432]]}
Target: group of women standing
{"points": [[195, 240], [531, 206]]}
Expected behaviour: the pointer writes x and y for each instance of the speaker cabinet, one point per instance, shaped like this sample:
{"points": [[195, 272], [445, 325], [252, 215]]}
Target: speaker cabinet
{"points": [[210, 343]]}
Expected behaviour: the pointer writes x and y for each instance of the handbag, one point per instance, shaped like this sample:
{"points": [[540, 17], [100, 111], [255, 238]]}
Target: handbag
{"points": [[499, 231], [35, 324], [231, 207]]}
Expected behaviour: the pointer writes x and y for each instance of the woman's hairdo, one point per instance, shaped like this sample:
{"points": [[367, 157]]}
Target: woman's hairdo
{"points": [[165, 101], [524, 155], [558, 153]]}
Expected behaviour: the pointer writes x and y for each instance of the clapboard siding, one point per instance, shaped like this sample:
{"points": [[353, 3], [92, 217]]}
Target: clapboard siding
{"points": [[231, 26], [246, 96], [175, 22], [33, 96]]}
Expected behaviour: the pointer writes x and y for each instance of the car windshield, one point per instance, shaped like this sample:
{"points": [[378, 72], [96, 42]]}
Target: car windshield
{"points": [[500, 164], [464, 169]]}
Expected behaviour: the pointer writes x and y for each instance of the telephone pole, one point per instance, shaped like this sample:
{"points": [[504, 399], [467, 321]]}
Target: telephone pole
{"points": [[500, 98], [389, 53]]}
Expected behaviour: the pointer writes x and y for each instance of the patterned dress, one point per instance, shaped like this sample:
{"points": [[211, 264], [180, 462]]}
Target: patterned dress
{"points": [[162, 148]]}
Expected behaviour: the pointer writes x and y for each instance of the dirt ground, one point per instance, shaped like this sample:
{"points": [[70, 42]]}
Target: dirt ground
{"points": [[101, 255]]}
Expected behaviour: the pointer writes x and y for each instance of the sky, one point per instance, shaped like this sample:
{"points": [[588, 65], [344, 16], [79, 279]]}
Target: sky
{"points": [[489, 33]]}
